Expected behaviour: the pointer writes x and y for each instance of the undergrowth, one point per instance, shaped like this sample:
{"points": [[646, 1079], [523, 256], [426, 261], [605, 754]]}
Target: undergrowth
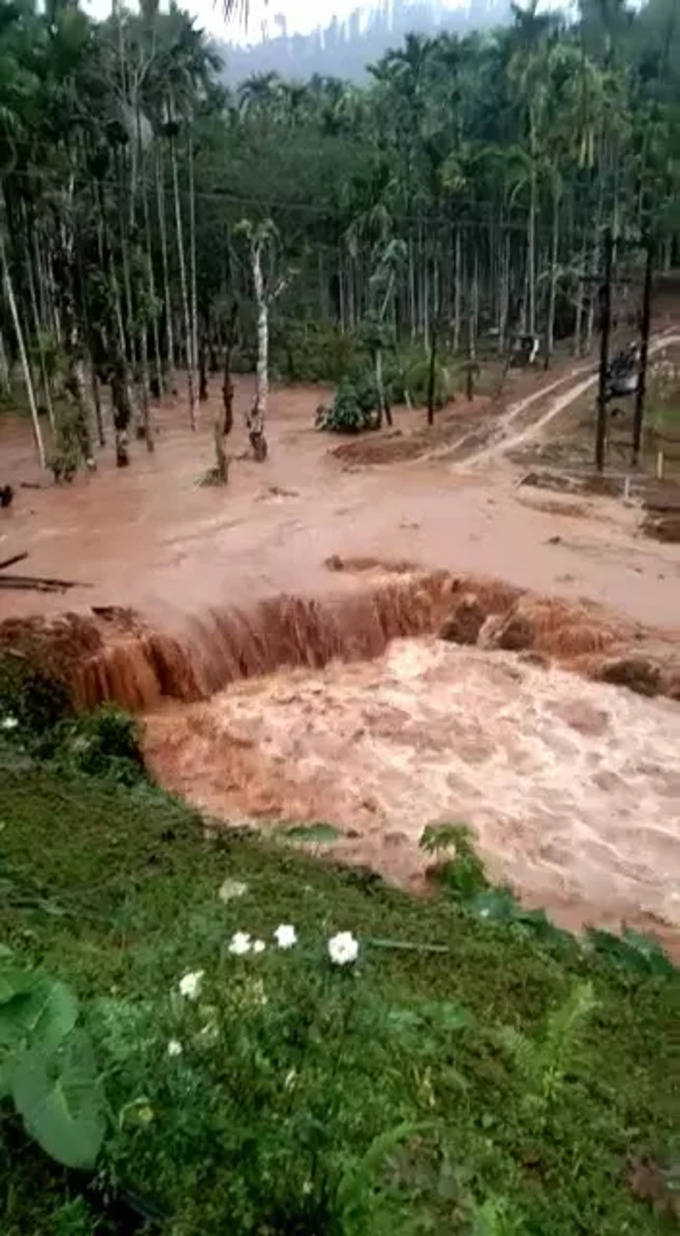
{"points": [[471, 1072]]}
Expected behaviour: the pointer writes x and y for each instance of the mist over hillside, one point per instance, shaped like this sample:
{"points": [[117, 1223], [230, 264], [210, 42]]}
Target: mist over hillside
{"points": [[343, 48]]}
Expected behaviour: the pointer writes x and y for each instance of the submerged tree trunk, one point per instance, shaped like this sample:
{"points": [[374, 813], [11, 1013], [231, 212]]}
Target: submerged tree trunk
{"points": [[25, 368]]}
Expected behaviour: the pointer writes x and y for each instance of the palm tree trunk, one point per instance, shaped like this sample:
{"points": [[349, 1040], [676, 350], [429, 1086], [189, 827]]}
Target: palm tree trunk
{"points": [[5, 388], [183, 285], [192, 260], [578, 322], [38, 339], [550, 341], [166, 277], [457, 292], [28, 382], [152, 295], [531, 255], [504, 294], [257, 417]]}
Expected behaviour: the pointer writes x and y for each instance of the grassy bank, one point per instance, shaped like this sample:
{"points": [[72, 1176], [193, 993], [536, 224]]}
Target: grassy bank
{"points": [[490, 1078]]}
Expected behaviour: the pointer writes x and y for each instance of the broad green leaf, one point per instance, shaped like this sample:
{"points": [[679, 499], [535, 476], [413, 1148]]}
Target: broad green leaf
{"points": [[13, 982], [59, 1101], [44, 1015]]}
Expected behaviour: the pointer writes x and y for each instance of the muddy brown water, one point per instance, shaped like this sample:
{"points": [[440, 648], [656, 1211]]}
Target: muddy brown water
{"points": [[223, 600], [571, 787]]}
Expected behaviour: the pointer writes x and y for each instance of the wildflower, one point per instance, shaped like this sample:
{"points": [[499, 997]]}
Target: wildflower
{"points": [[259, 946], [190, 984], [174, 1047], [240, 943], [9, 723], [231, 888], [285, 935], [343, 949]]}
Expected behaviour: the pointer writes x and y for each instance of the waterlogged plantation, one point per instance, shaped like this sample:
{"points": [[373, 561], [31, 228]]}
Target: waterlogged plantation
{"points": [[338, 866], [462, 200]]}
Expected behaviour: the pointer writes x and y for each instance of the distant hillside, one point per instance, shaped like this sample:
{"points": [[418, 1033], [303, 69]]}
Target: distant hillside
{"points": [[344, 48]]}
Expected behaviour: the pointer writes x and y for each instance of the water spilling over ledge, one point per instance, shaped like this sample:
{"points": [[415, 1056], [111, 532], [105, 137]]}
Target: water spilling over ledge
{"points": [[114, 654]]}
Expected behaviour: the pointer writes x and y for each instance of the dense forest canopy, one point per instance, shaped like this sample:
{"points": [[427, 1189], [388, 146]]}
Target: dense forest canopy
{"points": [[152, 219]]}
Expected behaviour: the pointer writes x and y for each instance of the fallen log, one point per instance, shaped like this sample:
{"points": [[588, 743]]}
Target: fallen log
{"points": [[14, 559], [41, 583]]}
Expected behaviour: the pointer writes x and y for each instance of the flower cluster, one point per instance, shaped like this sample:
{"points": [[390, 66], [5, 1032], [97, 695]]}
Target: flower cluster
{"points": [[343, 950]]}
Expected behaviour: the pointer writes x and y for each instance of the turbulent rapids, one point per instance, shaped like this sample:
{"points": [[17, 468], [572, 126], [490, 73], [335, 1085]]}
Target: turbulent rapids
{"points": [[404, 697]]}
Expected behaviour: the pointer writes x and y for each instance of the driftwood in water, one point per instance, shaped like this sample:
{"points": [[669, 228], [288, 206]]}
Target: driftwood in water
{"points": [[39, 583], [13, 560]]}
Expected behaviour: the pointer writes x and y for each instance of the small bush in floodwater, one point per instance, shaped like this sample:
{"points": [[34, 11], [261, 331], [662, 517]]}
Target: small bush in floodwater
{"points": [[103, 743], [30, 697]]}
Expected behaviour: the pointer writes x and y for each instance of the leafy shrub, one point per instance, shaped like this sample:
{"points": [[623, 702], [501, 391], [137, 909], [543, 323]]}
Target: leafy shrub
{"points": [[102, 743], [29, 696], [416, 382], [354, 406], [315, 351]]}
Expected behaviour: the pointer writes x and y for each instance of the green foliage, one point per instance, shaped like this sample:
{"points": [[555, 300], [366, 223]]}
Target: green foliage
{"points": [[313, 351], [102, 743], [543, 1062], [464, 875], [354, 407], [29, 695], [385, 1097], [417, 382], [47, 1067]]}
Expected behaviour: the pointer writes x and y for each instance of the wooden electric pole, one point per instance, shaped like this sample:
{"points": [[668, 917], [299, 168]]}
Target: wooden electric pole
{"points": [[644, 351], [605, 328]]}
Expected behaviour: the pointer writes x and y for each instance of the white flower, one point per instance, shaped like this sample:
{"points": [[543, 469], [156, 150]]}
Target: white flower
{"points": [[9, 723], [174, 1047], [231, 888], [285, 935], [259, 946], [240, 943], [190, 984], [343, 949]]}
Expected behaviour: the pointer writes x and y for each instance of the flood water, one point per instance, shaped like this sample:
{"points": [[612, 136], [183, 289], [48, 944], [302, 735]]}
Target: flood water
{"points": [[571, 787]]}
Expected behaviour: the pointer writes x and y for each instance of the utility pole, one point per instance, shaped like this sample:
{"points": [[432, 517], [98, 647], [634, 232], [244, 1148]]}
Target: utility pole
{"points": [[644, 350], [605, 327]]}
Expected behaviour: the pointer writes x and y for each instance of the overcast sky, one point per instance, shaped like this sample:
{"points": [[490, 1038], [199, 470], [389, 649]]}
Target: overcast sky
{"points": [[301, 15]]}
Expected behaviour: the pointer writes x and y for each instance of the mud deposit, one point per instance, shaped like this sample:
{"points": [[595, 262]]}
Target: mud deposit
{"points": [[572, 787]]}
